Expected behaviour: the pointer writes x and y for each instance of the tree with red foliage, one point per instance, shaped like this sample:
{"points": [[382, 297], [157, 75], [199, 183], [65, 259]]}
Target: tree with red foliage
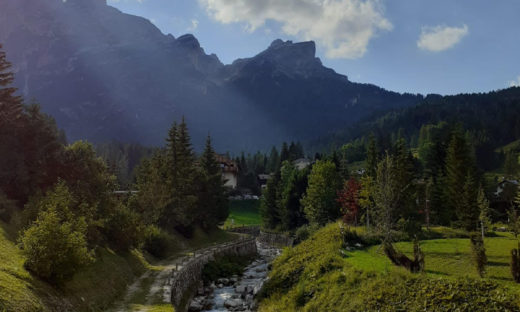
{"points": [[348, 199]]}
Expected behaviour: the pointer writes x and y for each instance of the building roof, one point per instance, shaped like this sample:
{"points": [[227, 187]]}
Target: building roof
{"points": [[227, 164]]}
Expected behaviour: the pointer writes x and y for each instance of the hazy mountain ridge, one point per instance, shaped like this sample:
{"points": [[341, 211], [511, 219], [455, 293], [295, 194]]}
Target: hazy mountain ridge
{"points": [[108, 75]]}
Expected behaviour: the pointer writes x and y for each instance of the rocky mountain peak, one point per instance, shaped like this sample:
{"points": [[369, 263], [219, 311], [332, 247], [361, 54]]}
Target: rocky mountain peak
{"points": [[188, 41], [301, 50], [85, 4]]}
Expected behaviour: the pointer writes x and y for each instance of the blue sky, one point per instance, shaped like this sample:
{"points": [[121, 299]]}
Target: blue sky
{"points": [[417, 46]]}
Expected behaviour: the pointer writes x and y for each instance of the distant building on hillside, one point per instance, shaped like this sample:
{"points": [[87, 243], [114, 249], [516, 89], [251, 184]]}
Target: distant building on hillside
{"points": [[302, 163], [229, 171], [504, 184], [262, 179]]}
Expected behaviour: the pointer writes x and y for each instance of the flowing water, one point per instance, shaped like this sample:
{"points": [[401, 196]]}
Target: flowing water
{"points": [[230, 295]]}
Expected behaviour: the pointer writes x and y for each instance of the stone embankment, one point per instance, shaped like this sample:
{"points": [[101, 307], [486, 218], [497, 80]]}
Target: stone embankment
{"points": [[236, 293], [188, 272], [267, 238], [275, 239]]}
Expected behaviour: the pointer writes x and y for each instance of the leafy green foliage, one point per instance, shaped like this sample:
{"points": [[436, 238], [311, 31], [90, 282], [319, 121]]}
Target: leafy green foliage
{"points": [[319, 202], [225, 266], [479, 253], [55, 248], [124, 228], [156, 242]]}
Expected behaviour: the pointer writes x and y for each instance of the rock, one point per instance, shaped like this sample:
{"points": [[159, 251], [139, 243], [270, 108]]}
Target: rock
{"points": [[232, 303], [233, 280], [241, 289], [223, 281], [220, 285], [195, 306]]}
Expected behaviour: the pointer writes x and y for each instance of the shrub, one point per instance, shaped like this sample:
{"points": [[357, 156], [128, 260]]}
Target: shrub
{"points": [[515, 264], [156, 242], [304, 232], [55, 249], [225, 266], [123, 228], [479, 253]]}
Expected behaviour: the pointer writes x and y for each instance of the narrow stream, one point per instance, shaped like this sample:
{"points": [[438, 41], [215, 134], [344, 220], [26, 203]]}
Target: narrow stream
{"points": [[237, 293]]}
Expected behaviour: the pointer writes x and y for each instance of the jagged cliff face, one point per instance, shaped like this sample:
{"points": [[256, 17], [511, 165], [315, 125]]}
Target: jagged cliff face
{"points": [[107, 75]]}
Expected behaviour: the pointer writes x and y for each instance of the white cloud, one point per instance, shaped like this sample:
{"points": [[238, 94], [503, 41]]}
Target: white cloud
{"points": [[440, 38], [343, 27], [194, 25], [515, 83]]}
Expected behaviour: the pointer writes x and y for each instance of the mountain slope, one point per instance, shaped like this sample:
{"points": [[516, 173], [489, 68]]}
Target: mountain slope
{"points": [[108, 75]]}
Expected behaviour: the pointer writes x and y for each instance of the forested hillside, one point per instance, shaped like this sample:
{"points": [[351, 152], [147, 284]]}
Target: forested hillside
{"points": [[63, 225], [491, 119]]}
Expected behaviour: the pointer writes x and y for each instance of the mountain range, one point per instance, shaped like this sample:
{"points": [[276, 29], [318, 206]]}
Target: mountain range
{"points": [[105, 75]]}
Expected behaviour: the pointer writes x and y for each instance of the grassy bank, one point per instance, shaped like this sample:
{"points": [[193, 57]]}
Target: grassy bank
{"points": [[243, 212], [96, 287], [19, 291], [318, 275]]}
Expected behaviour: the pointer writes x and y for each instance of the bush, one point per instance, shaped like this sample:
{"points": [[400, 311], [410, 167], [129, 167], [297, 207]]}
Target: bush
{"points": [[55, 249], [304, 232], [123, 228], [225, 266], [156, 242], [479, 253]]}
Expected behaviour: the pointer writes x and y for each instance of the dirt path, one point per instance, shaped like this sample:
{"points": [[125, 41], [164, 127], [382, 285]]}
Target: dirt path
{"points": [[151, 291]]}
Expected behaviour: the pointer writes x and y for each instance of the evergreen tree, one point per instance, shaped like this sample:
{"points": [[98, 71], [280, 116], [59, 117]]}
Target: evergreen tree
{"points": [[292, 186], [468, 211], [404, 175], [343, 167], [366, 198], [182, 177], [372, 158], [511, 166], [274, 161], [388, 192], [512, 214], [320, 203], [484, 216], [269, 203], [213, 204], [10, 105], [284, 154], [458, 165]]}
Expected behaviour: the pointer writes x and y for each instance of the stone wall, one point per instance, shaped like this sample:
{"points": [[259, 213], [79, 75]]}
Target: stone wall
{"points": [[250, 230], [190, 269], [275, 239]]}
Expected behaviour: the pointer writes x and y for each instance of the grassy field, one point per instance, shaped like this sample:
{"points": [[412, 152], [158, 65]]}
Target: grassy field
{"points": [[444, 257], [243, 212], [319, 275]]}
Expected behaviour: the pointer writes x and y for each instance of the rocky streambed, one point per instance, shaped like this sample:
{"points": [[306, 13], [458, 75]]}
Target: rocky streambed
{"points": [[236, 293]]}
